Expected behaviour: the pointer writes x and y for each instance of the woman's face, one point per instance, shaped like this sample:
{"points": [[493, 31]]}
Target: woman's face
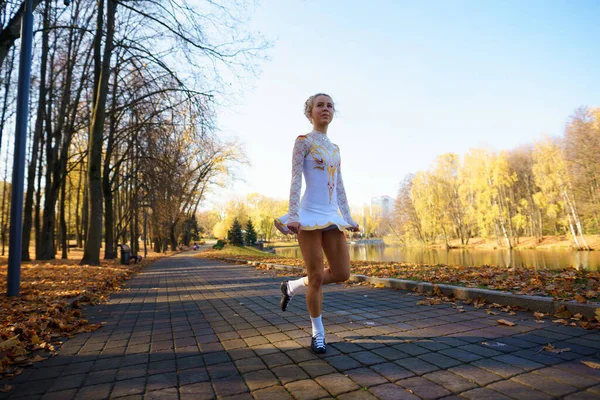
{"points": [[322, 112]]}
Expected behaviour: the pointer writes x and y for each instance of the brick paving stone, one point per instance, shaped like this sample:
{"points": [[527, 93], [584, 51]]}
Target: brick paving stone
{"points": [[417, 366], [229, 386], [410, 349], [94, 392], [357, 395], [347, 347], [367, 358], [316, 368], [461, 355], [483, 394], [523, 363], [516, 390], [587, 395], [249, 364], [276, 360], [260, 379], [391, 371], [439, 360], [391, 391], [450, 381], [424, 388], [161, 381], [60, 395], [306, 390], [560, 375], [365, 377], [543, 384], [196, 391], [389, 353], [129, 387], [95, 378], [272, 393], [193, 375], [499, 368], [475, 374], [343, 362], [337, 383], [289, 373], [67, 382], [217, 371], [163, 394]]}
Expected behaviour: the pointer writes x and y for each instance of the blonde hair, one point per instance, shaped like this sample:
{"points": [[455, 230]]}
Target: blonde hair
{"points": [[310, 102]]}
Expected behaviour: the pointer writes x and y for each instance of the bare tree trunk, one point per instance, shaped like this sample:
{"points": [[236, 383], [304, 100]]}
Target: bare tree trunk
{"points": [[107, 189], [78, 234], [38, 203], [91, 254], [5, 215], [63, 221]]}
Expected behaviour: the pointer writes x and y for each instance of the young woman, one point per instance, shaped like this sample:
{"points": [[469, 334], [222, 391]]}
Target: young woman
{"points": [[315, 218]]}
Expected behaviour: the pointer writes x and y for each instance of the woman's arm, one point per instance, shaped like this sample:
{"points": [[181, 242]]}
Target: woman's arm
{"points": [[342, 199], [300, 149]]}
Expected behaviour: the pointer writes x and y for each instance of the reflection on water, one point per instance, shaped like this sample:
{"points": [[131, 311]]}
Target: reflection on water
{"points": [[539, 259]]}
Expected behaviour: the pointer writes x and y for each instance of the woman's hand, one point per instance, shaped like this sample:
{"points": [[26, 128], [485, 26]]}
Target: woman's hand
{"points": [[294, 227], [354, 228]]}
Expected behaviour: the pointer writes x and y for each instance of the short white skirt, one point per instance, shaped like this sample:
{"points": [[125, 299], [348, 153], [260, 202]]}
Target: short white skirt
{"points": [[311, 221]]}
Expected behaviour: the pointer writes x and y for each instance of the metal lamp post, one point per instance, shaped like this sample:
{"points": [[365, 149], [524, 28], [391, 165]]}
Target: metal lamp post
{"points": [[18, 177]]}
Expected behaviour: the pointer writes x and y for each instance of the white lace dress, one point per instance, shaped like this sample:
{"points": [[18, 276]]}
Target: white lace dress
{"points": [[319, 160]]}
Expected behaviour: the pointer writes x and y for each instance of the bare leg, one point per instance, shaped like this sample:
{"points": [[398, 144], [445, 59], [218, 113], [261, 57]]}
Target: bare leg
{"points": [[334, 244], [311, 247], [338, 257]]}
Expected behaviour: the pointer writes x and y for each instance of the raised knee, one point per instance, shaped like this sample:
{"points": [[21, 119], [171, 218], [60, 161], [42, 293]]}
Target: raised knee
{"points": [[344, 276]]}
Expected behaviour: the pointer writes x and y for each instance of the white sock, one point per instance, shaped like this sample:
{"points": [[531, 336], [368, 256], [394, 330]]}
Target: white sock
{"points": [[296, 285], [317, 327]]}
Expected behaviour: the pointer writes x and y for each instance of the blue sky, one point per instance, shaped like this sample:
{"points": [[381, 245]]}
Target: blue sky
{"points": [[411, 80]]}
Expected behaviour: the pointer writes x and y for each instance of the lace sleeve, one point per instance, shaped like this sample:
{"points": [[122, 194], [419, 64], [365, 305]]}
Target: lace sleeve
{"points": [[298, 155], [342, 200]]}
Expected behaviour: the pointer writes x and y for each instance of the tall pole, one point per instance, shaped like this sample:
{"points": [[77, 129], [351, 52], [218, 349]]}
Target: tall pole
{"points": [[18, 178]]}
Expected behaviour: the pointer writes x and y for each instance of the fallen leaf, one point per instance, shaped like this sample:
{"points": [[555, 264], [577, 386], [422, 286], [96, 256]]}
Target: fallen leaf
{"points": [[495, 344], [590, 294], [563, 313], [9, 343], [490, 312], [539, 321], [512, 313], [505, 322], [538, 315], [553, 349], [580, 298], [577, 317], [560, 321], [6, 389], [592, 364]]}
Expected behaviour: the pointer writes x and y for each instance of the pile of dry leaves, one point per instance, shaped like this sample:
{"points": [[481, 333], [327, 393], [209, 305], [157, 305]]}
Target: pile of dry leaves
{"points": [[49, 306]]}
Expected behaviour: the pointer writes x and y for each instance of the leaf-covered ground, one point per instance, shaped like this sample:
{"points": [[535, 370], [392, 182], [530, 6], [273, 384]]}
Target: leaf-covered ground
{"points": [[49, 307], [569, 284]]}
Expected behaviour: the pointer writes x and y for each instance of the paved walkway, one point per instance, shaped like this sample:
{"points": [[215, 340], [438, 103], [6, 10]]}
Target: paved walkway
{"points": [[189, 328]]}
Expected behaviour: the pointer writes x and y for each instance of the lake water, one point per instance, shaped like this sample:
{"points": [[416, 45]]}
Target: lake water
{"points": [[539, 259]]}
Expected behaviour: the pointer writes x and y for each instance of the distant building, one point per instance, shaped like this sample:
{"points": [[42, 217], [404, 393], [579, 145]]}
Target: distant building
{"points": [[382, 206]]}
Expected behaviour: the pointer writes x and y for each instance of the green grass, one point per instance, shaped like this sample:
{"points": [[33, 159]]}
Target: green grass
{"points": [[240, 251]]}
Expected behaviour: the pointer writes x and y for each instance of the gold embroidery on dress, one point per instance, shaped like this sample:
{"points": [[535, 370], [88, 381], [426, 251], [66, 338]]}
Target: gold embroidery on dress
{"points": [[321, 156]]}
